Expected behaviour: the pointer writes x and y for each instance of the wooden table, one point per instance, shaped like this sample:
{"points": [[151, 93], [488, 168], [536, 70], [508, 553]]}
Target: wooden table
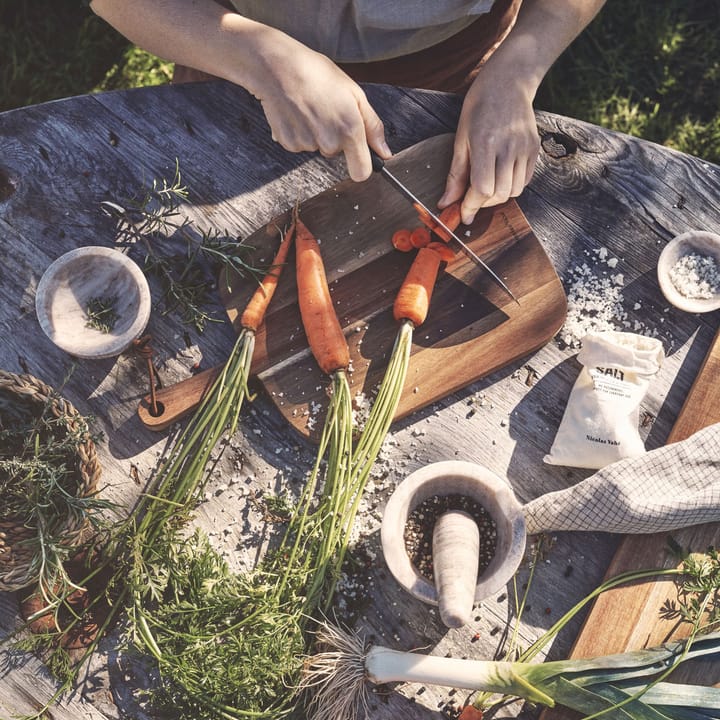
{"points": [[594, 192]]}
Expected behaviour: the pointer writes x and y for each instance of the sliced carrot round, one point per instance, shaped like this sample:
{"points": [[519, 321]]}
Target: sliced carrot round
{"points": [[420, 237], [446, 253], [401, 240]]}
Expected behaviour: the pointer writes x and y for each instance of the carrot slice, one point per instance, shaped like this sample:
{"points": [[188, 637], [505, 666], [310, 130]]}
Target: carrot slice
{"points": [[401, 240], [254, 312], [322, 327], [413, 299], [420, 237]]}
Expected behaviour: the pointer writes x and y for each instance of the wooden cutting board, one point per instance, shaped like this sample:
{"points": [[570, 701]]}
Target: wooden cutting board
{"points": [[628, 617], [473, 326]]}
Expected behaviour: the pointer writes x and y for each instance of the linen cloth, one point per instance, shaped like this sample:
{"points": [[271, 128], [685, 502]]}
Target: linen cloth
{"points": [[675, 486]]}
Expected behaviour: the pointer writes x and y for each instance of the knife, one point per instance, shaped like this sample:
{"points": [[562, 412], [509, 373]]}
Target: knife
{"points": [[378, 165]]}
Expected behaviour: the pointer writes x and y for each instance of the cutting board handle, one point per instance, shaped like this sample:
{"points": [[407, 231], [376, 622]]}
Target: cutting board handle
{"points": [[176, 401]]}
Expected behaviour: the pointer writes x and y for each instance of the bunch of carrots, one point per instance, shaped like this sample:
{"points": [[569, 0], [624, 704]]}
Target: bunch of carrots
{"points": [[295, 582]]}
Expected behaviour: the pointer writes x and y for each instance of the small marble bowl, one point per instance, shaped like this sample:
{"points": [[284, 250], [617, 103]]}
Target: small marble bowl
{"points": [[70, 287], [694, 242], [454, 478]]}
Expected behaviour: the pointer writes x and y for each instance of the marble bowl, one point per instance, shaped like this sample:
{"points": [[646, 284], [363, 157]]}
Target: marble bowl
{"points": [[454, 478], [69, 285], [696, 242]]}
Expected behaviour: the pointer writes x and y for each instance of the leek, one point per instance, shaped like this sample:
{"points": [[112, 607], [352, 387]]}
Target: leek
{"points": [[337, 679]]}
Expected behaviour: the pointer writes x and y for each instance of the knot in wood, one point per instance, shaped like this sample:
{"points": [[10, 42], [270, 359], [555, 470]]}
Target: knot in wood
{"points": [[7, 188], [558, 145]]}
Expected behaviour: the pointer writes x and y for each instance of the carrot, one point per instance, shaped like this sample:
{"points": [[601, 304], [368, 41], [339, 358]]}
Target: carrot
{"points": [[420, 237], [322, 328], [450, 216], [446, 252], [401, 240], [413, 299], [254, 312]]}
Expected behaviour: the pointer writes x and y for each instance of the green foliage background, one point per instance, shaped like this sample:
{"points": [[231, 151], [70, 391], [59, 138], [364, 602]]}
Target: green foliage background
{"points": [[650, 68]]}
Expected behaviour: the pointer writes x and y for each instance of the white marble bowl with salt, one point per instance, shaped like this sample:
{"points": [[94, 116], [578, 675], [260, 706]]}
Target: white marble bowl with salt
{"points": [[76, 281], [689, 271]]}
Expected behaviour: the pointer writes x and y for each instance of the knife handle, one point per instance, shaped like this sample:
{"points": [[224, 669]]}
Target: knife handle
{"points": [[377, 162]]}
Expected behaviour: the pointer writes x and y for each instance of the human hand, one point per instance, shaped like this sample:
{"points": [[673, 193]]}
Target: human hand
{"points": [[311, 104], [496, 146]]}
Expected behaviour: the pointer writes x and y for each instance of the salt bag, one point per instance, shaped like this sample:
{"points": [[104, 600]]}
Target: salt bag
{"points": [[600, 423], [672, 487]]}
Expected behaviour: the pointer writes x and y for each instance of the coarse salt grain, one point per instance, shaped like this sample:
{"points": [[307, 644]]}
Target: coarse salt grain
{"points": [[696, 276], [594, 305]]}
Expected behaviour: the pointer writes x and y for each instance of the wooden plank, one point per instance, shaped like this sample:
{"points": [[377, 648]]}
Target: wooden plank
{"points": [[58, 161]]}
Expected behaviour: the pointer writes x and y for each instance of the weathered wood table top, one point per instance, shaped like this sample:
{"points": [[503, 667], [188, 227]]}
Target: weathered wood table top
{"points": [[598, 198]]}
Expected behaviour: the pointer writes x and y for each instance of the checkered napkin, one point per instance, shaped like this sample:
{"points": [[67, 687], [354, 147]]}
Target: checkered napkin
{"points": [[672, 487]]}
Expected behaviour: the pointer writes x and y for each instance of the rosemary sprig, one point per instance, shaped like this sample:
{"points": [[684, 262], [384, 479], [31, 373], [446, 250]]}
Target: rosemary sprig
{"points": [[154, 219], [101, 313]]}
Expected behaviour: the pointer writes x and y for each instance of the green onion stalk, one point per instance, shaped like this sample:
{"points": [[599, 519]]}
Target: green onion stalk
{"points": [[625, 686]]}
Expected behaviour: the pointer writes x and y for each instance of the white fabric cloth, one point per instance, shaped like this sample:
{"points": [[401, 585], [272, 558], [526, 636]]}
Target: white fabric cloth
{"points": [[675, 486], [366, 30]]}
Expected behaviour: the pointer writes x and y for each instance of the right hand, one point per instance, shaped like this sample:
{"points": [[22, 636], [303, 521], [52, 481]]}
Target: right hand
{"points": [[311, 104]]}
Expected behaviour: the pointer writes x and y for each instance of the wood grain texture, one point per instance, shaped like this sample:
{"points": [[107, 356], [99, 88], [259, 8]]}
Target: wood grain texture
{"points": [[592, 189]]}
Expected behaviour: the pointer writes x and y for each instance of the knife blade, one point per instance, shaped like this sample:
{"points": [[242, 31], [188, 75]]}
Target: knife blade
{"points": [[378, 165]]}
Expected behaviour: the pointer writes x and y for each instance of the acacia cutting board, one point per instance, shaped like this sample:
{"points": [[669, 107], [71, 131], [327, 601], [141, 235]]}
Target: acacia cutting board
{"points": [[629, 617], [473, 326]]}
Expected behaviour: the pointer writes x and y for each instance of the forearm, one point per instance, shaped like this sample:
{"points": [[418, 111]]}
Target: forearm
{"points": [[202, 35], [543, 30]]}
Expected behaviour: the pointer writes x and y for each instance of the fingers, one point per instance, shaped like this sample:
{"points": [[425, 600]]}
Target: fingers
{"points": [[488, 178], [371, 133], [345, 124]]}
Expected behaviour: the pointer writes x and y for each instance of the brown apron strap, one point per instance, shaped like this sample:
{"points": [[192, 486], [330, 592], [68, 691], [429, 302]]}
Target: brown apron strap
{"points": [[450, 65]]}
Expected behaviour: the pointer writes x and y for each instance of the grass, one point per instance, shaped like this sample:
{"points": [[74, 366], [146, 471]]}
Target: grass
{"points": [[650, 69]]}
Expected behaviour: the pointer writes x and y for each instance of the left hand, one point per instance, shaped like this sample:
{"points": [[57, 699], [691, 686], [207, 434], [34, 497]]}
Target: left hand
{"points": [[496, 145]]}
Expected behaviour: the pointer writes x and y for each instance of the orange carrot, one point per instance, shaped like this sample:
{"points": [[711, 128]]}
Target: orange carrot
{"points": [[446, 252], [450, 216], [325, 336], [401, 240], [420, 237], [413, 299], [254, 312]]}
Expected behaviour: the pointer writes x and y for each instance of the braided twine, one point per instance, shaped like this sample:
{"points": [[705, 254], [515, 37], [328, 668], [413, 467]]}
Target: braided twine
{"points": [[18, 561]]}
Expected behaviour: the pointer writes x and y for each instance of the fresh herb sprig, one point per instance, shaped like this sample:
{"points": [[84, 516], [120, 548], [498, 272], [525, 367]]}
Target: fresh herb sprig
{"points": [[101, 313], [153, 218]]}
